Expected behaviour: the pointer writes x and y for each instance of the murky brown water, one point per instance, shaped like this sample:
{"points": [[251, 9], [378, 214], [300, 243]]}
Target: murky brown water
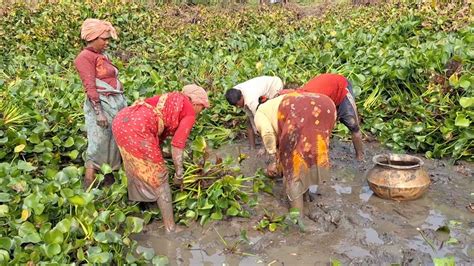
{"points": [[352, 225]]}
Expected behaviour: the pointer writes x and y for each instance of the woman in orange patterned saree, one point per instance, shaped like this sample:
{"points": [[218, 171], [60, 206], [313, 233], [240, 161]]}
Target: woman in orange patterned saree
{"points": [[141, 128], [295, 129]]}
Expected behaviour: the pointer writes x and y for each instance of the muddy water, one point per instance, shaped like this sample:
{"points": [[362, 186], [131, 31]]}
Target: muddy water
{"points": [[348, 222]]}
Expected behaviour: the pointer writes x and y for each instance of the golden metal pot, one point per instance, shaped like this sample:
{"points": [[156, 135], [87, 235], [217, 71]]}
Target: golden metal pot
{"points": [[398, 177]]}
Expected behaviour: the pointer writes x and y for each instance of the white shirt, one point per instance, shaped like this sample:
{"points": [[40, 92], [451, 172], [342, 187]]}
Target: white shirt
{"points": [[260, 86], [252, 89]]}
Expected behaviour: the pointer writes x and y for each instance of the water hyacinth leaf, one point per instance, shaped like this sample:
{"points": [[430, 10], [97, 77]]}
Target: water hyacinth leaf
{"points": [[147, 253], [466, 102], [69, 142], [160, 261], [106, 169], [25, 214], [19, 148], [190, 214], [4, 197], [28, 233], [25, 166], [232, 211], [335, 262], [4, 209], [4, 256], [134, 224], [199, 144], [107, 237], [462, 121], [272, 227], [102, 257], [216, 215], [446, 261], [73, 154], [71, 171], [77, 200], [52, 250], [33, 201], [54, 236], [64, 225], [6, 243]]}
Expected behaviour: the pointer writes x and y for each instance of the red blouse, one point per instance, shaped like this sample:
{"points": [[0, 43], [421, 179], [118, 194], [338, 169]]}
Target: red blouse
{"points": [[178, 117], [332, 85], [92, 65]]}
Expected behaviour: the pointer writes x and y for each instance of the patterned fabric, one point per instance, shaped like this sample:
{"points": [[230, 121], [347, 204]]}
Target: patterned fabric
{"points": [[305, 124], [138, 131]]}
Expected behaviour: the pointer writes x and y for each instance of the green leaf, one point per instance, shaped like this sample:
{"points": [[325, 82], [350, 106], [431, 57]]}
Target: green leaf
{"points": [[73, 154], [102, 257], [25, 166], [272, 227], [232, 211], [462, 121], [190, 214], [160, 261], [4, 257], [64, 225], [216, 215], [466, 102], [108, 237], [134, 224], [6, 243], [28, 233], [4, 197], [335, 262], [105, 169], [446, 261], [452, 241], [199, 144], [19, 148], [147, 253], [54, 236], [69, 142], [52, 250], [77, 200], [464, 83]]}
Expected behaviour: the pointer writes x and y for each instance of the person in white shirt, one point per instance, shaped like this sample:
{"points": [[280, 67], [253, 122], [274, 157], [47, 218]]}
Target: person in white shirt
{"points": [[250, 94]]}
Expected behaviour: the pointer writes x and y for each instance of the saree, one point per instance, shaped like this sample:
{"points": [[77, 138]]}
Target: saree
{"points": [[101, 147], [305, 124], [138, 131]]}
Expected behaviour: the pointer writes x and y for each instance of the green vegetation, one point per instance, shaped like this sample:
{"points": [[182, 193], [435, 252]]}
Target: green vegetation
{"points": [[411, 65]]}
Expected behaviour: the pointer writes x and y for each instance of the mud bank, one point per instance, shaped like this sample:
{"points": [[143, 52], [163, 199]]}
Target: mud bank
{"points": [[349, 223]]}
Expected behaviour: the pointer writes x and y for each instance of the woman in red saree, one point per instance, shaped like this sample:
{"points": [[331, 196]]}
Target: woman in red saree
{"points": [[295, 129], [139, 130]]}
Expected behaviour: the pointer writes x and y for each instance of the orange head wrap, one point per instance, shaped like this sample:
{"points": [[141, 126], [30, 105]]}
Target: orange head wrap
{"points": [[197, 94], [93, 28]]}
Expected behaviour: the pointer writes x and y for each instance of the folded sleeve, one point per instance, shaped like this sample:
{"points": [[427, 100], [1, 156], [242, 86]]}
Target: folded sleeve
{"points": [[265, 128], [86, 68]]}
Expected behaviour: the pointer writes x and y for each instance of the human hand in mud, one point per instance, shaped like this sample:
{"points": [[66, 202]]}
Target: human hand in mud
{"points": [[272, 169]]}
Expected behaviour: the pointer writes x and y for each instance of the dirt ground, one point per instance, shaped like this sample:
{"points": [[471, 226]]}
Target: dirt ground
{"points": [[351, 224]]}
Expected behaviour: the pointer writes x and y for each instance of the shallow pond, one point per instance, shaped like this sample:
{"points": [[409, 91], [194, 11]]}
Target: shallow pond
{"points": [[351, 224]]}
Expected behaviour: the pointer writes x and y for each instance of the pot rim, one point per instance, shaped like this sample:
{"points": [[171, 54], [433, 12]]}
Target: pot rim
{"points": [[377, 159]]}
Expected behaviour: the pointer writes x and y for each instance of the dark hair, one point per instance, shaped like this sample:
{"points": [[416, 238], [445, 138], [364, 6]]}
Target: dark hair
{"points": [[233, 96], [292, 86]]}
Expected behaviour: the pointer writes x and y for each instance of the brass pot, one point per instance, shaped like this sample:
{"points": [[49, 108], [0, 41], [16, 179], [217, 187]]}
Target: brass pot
{"points": [[398, 177]]}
